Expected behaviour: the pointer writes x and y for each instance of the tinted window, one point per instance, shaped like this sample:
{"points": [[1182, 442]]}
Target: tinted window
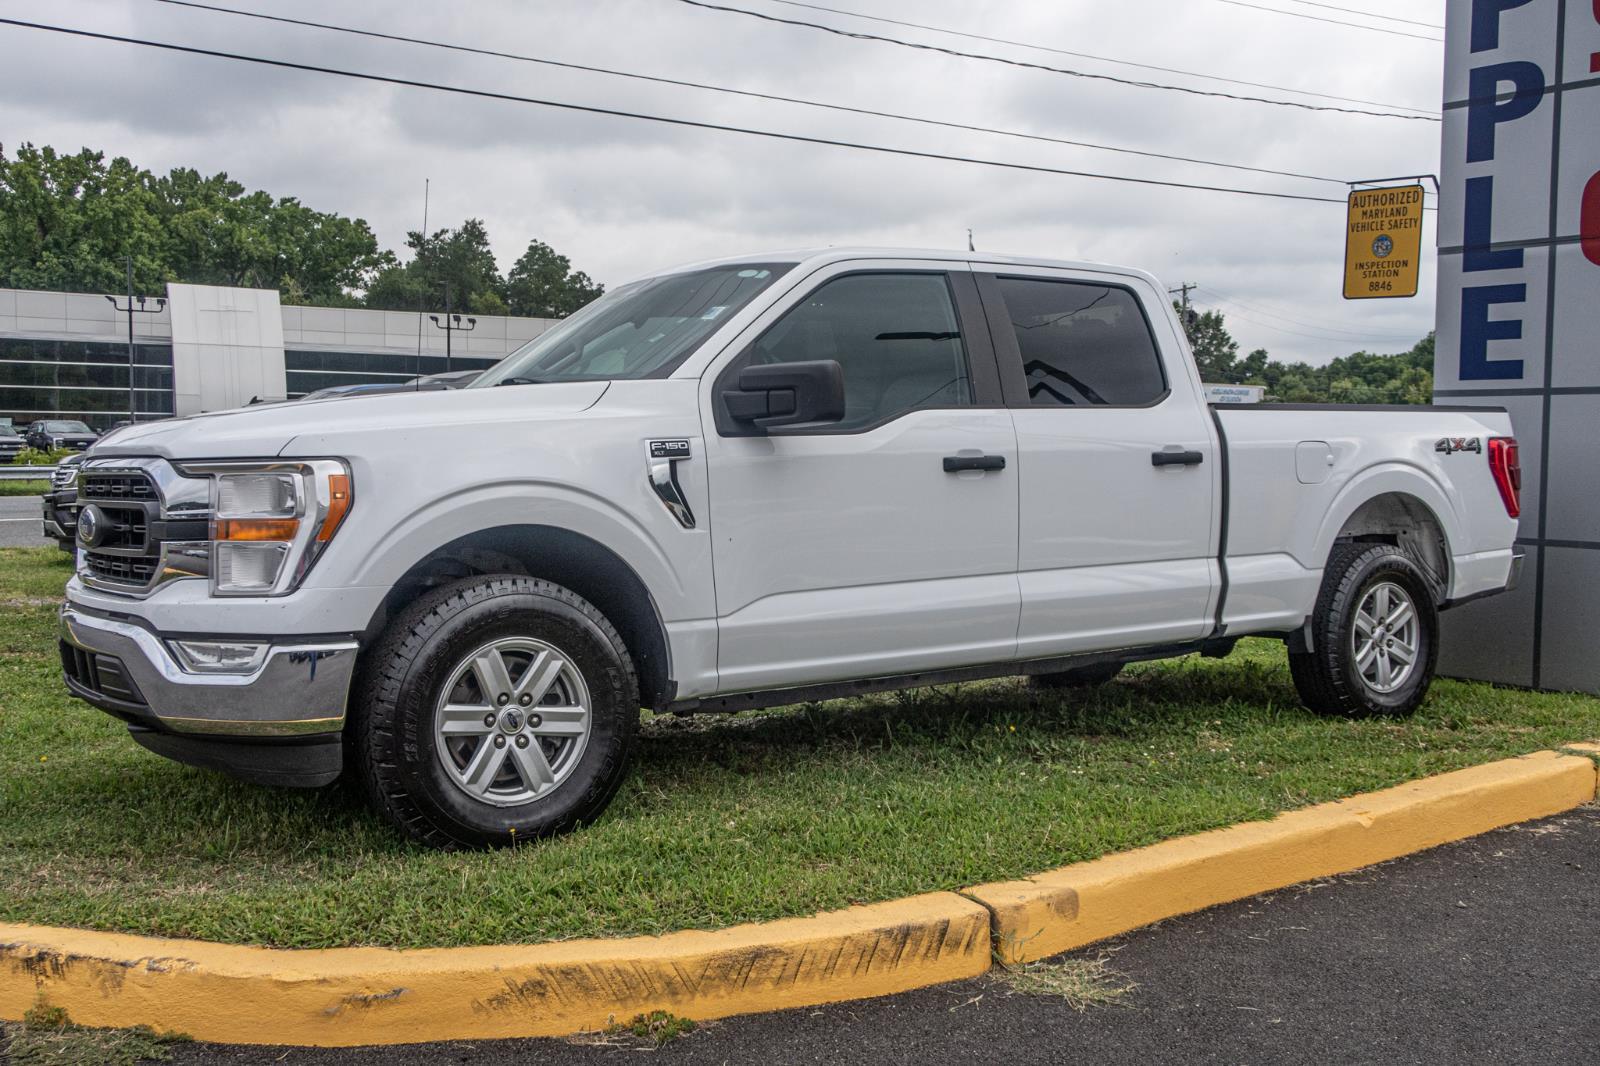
{"points": [[896, 336], [1083, 344]]}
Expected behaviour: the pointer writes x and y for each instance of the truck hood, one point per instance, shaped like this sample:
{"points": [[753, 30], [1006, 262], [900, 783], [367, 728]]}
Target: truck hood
{"points": [[267, 430]]}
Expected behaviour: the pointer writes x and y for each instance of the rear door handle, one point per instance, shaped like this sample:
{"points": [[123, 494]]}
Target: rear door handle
{"points": [[956, 463], [1176, 457]]}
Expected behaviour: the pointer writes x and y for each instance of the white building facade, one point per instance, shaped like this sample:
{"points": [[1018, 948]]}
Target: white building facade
{"points": [[210, 348]]}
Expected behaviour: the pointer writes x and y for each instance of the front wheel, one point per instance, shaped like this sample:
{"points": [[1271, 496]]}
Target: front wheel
{"points": [[1374, 635], [496, 709]]}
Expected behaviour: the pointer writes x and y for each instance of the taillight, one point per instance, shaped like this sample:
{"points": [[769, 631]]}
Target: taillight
{"points": [[1506, 465]]}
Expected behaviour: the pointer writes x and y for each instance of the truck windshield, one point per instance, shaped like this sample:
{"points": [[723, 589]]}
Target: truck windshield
{"points": [[640, 330]]}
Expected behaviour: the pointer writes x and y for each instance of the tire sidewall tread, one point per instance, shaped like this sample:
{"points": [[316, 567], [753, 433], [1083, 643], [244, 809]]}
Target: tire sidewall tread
{"points": [[393, 741]]}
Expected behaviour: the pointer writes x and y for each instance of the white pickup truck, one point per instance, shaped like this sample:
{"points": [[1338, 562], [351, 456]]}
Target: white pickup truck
{"points": [[751, 483]]}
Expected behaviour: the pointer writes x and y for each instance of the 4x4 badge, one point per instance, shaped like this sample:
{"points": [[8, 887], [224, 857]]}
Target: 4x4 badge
{"points": [[1447, 445]]}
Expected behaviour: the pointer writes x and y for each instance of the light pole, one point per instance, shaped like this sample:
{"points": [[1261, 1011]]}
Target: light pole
{"points": [[161, 302], [450, 325]]}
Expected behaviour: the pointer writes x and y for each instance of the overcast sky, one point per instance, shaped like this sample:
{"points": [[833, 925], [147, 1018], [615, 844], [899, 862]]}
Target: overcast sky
{"points": [[622, 197]]}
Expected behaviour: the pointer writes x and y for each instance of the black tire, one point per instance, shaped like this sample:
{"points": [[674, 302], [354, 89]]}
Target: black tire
{"points": [[395, 747], [1329, 679], [1078, 677]]}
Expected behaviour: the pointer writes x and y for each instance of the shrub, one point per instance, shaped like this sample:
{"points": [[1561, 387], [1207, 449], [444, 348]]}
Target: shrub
{"points": [[41, 457]]}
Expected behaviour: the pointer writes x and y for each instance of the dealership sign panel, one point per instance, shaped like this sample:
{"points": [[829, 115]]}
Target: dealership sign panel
{"points": [[1383, 243], [1519, 315]]}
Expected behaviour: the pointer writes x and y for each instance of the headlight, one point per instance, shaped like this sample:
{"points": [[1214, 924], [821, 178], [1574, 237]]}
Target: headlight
{"points": [[270, 521]]}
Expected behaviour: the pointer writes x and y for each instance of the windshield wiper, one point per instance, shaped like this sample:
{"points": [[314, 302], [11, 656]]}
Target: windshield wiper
{"points": [[525, 381]]}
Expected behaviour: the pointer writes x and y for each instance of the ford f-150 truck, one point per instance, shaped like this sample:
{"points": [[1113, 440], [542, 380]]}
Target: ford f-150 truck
{"points": [[750, 483]]}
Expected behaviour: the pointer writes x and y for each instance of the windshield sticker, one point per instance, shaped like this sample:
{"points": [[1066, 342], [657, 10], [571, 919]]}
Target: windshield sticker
{"points": [[714, 311]]}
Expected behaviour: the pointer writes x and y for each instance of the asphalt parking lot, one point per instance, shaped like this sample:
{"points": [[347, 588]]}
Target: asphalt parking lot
{"points": [[20, 518], [1481, 951]]}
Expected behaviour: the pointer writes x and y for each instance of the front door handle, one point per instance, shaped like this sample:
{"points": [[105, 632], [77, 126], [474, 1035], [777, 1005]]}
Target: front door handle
{"points": [[956, 463], [1174, 456]]}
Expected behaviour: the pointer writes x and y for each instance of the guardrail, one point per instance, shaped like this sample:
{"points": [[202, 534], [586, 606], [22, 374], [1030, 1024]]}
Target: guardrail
{"points": [[26, 473]]}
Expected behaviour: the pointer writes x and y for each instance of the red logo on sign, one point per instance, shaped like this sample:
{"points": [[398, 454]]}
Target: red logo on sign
{"points": [[1594, 57], [1589, 220]]}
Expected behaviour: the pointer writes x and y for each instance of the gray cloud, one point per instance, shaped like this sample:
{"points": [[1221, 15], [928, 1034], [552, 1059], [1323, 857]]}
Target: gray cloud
{"points": [[621, 197]]}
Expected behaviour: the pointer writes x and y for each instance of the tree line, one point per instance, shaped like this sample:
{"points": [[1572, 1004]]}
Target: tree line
{"points": [[67, 222], [1361, 377]]}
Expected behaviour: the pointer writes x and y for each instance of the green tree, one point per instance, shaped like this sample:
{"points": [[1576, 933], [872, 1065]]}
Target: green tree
{"points": [[542, 284], [459, 258], [67, 221], [217, 233], [1214, 348]]}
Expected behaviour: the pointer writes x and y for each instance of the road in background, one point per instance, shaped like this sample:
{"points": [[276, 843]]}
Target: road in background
{"points": [[1482, 951], [20, 523]]}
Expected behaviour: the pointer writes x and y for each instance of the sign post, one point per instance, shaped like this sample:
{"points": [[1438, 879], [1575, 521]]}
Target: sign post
{"points": [[1383, 243]]}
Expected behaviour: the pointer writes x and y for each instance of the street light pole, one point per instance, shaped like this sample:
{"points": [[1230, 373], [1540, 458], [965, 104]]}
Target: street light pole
{"points": [[450, 325], [161, 302]]}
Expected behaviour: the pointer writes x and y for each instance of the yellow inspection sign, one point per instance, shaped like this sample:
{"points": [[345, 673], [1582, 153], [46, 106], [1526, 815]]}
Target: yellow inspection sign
{"points": [[1383, 243]]}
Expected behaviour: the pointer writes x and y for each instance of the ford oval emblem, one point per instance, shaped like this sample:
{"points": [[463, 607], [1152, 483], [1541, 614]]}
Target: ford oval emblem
{"points": [[89, 526]]}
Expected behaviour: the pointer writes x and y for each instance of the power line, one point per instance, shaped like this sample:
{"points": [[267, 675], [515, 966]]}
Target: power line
{"points": [[1369, 14], [1096, 58], [860, 36], [359, 32], [665, 119], [1335, 22], [1307, 336], [1218, 296]]}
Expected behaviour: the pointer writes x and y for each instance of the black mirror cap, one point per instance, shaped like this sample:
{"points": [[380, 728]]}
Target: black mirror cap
{"points": [[785, 397]]}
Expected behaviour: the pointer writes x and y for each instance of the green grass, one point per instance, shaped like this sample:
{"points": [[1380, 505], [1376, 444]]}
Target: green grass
{"points": [[758, 816], [24, 486]]}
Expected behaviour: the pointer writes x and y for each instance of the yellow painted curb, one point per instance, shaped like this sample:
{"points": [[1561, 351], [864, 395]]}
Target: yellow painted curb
{"points": [[1076, 905], [346, 996]]}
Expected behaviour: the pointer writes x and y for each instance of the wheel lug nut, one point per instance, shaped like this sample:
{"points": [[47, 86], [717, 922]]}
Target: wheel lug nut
{"points": [[503, 699], [489, 720], [525, 699], [522, 740], [534, 721], [499, 742]]}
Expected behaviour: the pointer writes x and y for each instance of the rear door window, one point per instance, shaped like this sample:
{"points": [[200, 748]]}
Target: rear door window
{"points": [[1083, 344]]}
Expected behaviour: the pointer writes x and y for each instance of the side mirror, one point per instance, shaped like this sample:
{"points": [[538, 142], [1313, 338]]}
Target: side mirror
{"points": [[783, 397]]}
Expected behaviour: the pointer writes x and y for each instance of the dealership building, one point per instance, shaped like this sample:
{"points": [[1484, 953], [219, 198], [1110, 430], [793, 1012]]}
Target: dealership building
{"points": [[209, 348]]}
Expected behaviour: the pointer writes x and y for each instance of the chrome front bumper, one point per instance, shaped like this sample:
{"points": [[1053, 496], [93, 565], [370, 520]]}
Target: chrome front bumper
{"points": [[299, 690]]}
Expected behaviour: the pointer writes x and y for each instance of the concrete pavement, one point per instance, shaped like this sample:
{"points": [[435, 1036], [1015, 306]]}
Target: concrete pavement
{"points": [[20, 518]]}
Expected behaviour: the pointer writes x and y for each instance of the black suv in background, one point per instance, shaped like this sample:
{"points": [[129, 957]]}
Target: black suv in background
{"points": [[61, 504], [11, 441], [60, 433]]}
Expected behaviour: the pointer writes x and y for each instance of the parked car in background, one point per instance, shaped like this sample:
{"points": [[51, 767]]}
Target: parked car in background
{"points": [[49, 433], [754, 483], [61, 504], [11, 441]]}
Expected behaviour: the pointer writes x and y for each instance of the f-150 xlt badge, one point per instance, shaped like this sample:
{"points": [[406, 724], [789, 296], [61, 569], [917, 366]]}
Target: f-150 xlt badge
{"points": [[1447, 445], [669, 449]]}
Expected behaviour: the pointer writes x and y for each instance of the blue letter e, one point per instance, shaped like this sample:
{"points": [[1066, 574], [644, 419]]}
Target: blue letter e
{"points": [[1477, 330]]}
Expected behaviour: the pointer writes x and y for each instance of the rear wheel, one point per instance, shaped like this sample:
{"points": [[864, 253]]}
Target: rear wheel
{"points": [[495, 709], [1078, 677], [1374, 635]]}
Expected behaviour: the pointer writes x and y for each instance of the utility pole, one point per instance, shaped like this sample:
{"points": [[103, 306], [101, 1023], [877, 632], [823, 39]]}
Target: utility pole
{"points": [[1185, 313], [161, 302], [451, 324]]}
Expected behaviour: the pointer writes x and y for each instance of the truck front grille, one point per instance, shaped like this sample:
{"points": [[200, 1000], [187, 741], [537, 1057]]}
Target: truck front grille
{"points": [[125, 553]]}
